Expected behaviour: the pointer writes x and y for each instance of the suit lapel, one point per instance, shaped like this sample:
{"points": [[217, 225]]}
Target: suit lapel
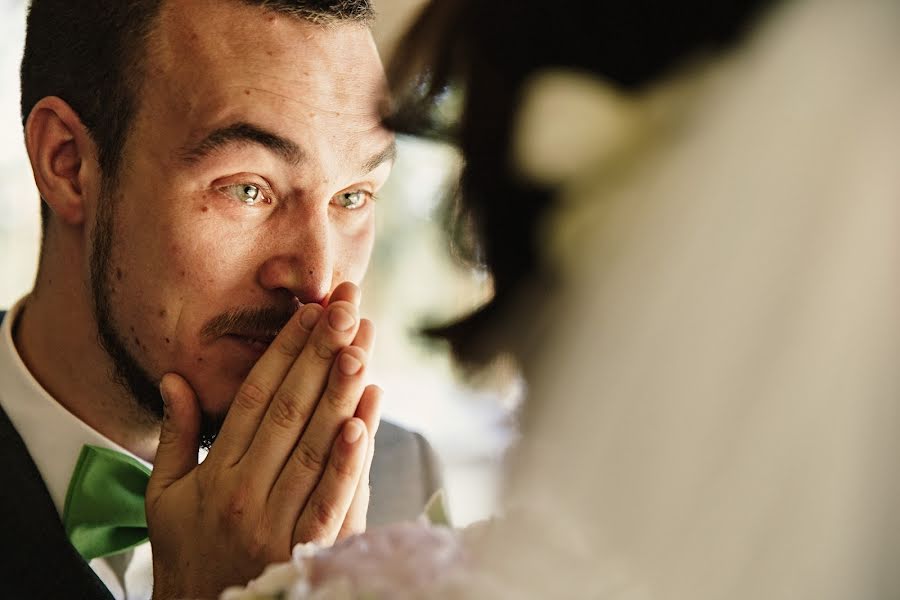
{"points": [[38, 561]]}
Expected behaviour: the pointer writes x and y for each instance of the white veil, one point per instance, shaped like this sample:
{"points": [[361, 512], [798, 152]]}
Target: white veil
{"points": [[715, 402]]}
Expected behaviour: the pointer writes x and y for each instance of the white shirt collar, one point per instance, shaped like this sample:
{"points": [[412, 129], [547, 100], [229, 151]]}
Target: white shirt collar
{"points": [[54, 436]]}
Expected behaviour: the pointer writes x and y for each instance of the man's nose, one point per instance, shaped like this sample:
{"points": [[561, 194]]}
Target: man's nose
{"points": [[301, 263]]}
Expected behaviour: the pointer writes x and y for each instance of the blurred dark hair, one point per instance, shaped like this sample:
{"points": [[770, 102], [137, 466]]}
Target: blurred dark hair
{"points": [[90, 53], [487, 50]]}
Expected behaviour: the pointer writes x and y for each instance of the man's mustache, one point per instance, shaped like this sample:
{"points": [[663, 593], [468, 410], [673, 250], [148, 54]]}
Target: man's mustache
{"points": [[256, 323]]}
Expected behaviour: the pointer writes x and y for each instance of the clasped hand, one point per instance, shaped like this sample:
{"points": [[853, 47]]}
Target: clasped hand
{"points": [[290, 464]]}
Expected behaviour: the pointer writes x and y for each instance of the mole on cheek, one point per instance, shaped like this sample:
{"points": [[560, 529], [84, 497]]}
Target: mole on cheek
{"points": [[119, 274], [162, 313], [206, 208], [168, 341]]}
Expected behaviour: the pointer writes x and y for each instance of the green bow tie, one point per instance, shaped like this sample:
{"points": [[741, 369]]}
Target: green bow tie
{"points": [[104, 512]]}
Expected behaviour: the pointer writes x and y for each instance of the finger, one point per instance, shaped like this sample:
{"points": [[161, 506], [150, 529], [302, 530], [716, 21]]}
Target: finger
{"points": [[179, 440], [326, 509], [253, 397], [296, 398], [365, 336], [345, 292], [338, 404], [369, 411]]}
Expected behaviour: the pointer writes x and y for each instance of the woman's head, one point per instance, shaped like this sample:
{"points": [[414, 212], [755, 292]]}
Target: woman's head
{"points": [[485, 52]]}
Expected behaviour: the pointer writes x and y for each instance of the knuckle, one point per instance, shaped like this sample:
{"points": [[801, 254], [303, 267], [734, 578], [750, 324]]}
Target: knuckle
{"points": [[324, 512], [287, 345], [252, 395], [343, 467], [308, 457], [323, 350], [337, 399], [234, 509], [286, 412]]}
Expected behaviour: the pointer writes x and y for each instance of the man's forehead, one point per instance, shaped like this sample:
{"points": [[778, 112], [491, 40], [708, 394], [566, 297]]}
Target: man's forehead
{"points": [[232, 43], [235, 64]]}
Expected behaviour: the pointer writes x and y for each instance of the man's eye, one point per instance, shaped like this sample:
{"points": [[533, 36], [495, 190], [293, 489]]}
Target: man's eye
{"points": [[353, 200], [246, 193]]}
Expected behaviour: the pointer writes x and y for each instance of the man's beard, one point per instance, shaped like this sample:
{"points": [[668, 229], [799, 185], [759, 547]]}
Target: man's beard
{"points": [[127, 371]]}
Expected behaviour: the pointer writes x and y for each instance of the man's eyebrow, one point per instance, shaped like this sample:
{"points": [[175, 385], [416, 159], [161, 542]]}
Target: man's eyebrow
{"points": [[244, 133], [386, 155]]}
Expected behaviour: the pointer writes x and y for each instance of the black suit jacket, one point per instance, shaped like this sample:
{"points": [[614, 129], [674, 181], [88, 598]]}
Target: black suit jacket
{"points": [[38, 562]]}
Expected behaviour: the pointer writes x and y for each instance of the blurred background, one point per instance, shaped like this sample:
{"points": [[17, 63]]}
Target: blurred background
{"points": [[412, 280]]}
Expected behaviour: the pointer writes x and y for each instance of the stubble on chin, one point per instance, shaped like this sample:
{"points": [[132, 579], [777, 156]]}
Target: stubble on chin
{"points": [[127, 372]]}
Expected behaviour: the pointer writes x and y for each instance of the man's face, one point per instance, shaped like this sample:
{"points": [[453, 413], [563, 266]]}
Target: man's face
{"points": [[248, 183]]}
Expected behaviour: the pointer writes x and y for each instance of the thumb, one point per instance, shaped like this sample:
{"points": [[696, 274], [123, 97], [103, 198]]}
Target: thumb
{"points": [[179, 436]]}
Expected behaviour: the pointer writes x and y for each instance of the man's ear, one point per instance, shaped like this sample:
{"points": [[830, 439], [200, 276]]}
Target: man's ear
{"points": [[63, 158]]}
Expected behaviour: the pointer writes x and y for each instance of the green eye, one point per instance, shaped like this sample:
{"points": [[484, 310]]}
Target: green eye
{"points": [[246, 193], [353, 200]]}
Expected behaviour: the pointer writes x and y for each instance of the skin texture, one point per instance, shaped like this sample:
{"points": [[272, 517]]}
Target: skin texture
{"points": [[189, 265]]}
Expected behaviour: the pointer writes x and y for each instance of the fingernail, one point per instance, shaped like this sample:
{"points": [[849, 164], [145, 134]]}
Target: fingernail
{"points": [[341, 320], [349, 364], [310, 316], [352, 432]]}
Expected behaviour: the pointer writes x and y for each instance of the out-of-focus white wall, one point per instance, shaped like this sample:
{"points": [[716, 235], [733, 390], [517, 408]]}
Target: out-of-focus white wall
{"points": [[19, 202], [412, 278]]}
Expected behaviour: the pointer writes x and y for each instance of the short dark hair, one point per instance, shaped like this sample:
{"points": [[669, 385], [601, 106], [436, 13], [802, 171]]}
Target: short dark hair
{"points": [[90, 54]]}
